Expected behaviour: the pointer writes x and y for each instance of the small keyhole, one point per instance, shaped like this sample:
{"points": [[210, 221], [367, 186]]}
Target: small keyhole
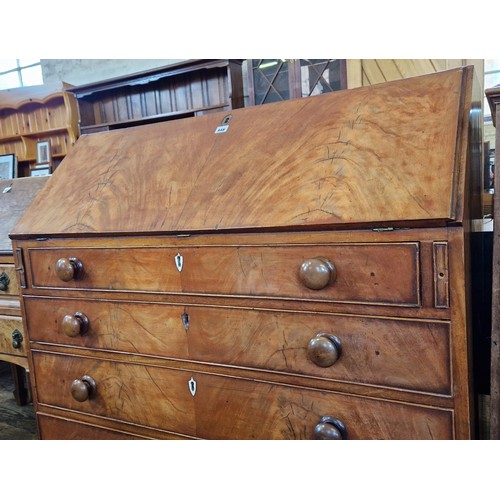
{"points": [[192, 385]]}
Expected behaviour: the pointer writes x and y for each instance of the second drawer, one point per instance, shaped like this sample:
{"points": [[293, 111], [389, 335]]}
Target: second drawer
{"points": [[398, 353]]}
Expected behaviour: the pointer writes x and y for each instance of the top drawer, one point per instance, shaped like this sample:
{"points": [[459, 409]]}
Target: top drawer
{"points": [[370, 273]]}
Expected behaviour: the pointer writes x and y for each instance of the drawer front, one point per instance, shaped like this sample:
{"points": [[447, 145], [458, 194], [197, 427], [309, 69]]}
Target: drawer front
{"points": [[220, 407], [362, 273], [12, 340], [8, 280], [405, 354], [60, 429]]}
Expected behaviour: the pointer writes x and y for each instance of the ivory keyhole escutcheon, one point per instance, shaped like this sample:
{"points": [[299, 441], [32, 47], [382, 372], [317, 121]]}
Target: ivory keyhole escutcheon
{"points": [[192, 386], [179, 262]]}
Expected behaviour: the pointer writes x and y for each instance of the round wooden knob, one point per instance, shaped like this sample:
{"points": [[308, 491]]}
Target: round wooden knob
{"points": [[317, 273], [324, 350], [74, 325], [83, 389], [330, 428], [69, 269]]}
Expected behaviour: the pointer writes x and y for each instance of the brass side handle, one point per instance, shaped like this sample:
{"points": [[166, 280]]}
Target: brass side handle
{"points": [[68, 269], [324, 349], [17, 339], [4, 281], [83, 389], [74, 325], [330, 428], [317, 273]]}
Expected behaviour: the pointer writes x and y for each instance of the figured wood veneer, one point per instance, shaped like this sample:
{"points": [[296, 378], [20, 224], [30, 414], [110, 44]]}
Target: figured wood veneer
{"points": [[222, 405], [367, 155], [200, 253], [372, 348], [270, 271]]}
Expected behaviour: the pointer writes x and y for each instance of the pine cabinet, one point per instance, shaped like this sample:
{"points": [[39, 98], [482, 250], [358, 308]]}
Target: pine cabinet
{"points": [[38, 113]]}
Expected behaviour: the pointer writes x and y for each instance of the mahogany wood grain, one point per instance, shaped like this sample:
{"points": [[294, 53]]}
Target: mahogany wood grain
{"points": [[191, 245], [59, 424], [269, 271], [223, 407], [59, 429], [362, 156], [372, 348]]}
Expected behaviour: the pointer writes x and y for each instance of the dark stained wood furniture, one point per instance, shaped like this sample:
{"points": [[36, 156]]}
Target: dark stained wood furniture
{"points": [[15, 196], [493, 96], [189, 88], [289, 271]]}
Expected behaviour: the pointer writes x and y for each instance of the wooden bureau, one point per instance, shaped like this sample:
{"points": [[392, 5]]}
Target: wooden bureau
{"points": [[15, 196], [289, 271]]}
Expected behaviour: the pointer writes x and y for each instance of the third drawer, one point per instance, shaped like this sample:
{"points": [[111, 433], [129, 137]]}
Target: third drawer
{"points": [[212, 406]]}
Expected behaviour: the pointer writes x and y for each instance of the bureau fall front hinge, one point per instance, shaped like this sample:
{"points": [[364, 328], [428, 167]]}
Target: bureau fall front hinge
{"points": [[19, 262]]}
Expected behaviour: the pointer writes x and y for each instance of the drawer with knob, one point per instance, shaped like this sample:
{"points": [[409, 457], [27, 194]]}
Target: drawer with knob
{"points": [[210, 406], [12, 339], [361, 273], [399, 353], [8, 280]]}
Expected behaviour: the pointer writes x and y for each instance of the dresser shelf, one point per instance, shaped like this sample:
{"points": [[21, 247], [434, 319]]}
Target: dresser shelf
{"points": [[181, 90], [38, 113]]}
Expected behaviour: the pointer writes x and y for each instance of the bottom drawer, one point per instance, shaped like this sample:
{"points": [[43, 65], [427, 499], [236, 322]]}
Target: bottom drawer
{"points": [[211, 406], [61, 429]]}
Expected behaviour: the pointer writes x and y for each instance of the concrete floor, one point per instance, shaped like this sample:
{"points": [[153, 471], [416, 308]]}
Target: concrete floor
{"points": [[16, 422]]}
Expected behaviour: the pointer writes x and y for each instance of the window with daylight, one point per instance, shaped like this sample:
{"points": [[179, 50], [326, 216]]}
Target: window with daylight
{"points": [[16, 73], [491, 79]]}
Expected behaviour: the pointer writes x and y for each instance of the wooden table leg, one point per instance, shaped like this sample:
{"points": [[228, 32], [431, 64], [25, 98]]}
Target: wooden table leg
{"points": [[20, 392]]}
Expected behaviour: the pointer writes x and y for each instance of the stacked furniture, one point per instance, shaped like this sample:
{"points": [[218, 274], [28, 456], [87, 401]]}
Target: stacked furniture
{"points": [[290, 271], [15, 196]]}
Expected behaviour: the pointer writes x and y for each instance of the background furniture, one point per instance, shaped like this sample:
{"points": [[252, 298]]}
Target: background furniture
{"points": [[493, 96], [15, 196], [37, 113], [191, 88], [291, 271], [275, 80]]}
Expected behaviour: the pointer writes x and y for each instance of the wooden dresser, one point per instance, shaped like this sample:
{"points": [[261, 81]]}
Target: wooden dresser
{"points": [[290, 271], [15, 196]]}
